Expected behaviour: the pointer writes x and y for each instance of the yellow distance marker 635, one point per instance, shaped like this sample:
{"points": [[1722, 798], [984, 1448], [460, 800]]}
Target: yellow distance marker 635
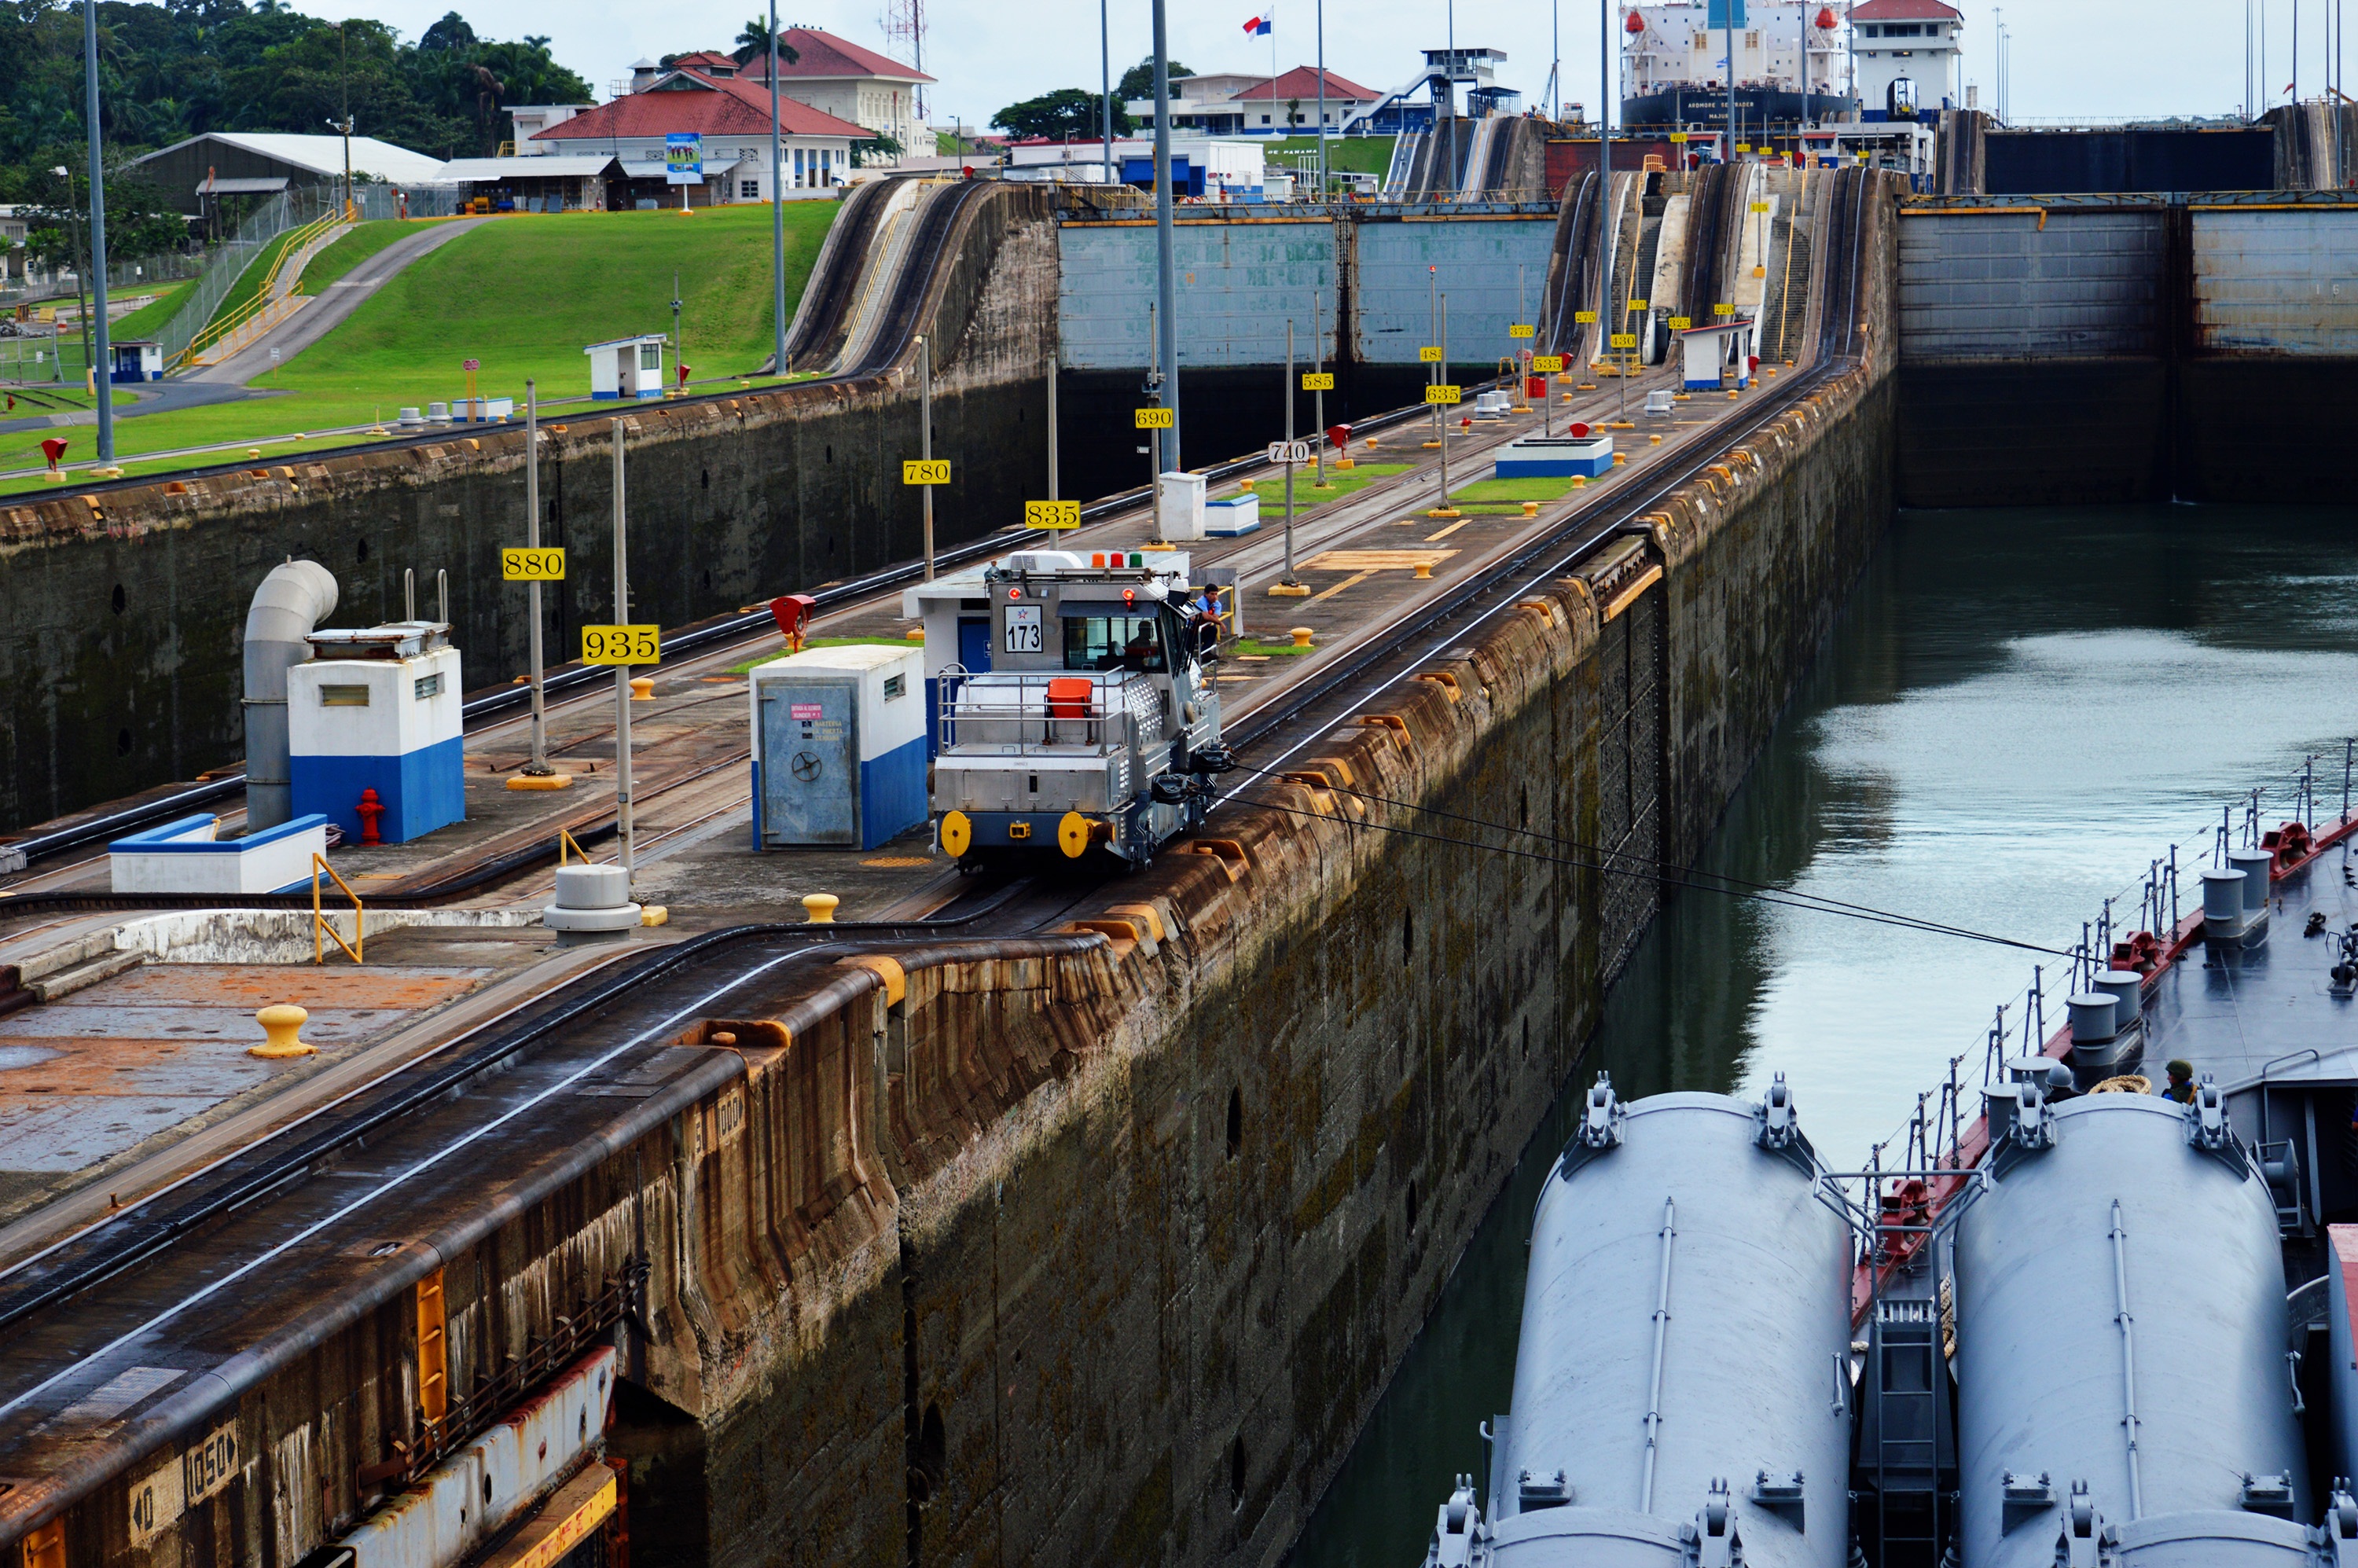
{"points": [[1441, 391]]}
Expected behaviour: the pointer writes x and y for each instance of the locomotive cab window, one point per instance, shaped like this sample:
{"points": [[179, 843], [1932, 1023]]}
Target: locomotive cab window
{"points": [[1115, 642]]}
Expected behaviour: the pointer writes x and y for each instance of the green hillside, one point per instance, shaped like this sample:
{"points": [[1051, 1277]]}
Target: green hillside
{"points": [[522, 296]]}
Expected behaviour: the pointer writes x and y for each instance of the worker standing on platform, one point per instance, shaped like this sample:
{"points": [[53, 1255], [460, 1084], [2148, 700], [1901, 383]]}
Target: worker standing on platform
{"points": [[2181, 1082]]}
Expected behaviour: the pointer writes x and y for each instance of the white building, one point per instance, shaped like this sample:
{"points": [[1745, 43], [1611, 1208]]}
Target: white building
{"points": [[1237, 104], [527, 121], [1912, 41], [731, 116], [838, 78]]}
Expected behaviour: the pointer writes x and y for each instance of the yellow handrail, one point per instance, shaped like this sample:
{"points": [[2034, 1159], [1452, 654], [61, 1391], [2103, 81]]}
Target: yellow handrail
{"points": [[320, 930], [266, 295], [564, 840]]}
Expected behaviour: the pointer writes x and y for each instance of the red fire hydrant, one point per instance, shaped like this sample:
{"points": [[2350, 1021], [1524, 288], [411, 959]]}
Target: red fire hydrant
{"points": [[369, 810]]}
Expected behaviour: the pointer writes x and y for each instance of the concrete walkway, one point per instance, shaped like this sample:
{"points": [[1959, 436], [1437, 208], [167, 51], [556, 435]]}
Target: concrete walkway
{"points": [[330, 308]]}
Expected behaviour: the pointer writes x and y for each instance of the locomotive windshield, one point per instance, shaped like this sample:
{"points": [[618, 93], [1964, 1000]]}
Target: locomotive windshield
{"points": [[1115, 642]]}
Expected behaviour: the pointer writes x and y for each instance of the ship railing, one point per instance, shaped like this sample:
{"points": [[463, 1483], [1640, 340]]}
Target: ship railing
{"points": [[1080, 713], [1947, 1131]]}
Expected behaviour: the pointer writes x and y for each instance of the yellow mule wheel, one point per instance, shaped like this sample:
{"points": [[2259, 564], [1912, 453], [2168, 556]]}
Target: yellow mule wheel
{"points": [[958, 833], [1073, 835]]}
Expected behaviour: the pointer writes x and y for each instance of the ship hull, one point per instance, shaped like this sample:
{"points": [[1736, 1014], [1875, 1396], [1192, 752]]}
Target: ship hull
{"points": [[1757, 109]]}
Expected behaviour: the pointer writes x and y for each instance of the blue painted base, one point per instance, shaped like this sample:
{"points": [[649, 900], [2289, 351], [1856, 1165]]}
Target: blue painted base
{"points": [[1554, 468], [420, 791], [891, 793]]}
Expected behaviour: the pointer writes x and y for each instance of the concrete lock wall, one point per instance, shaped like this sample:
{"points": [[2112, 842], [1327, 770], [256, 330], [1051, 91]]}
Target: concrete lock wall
{"points": [[1097, 1245], [121, 610], [2196, 348]]}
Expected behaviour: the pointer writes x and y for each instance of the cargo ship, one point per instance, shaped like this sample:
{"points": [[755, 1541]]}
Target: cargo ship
{"points": [[2092, 1311], [1788, 68]]}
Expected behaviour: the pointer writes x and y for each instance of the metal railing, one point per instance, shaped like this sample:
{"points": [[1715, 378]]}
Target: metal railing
{"points": [[1017, 715], [1937, 1134], [269, 305], [321, 931]]}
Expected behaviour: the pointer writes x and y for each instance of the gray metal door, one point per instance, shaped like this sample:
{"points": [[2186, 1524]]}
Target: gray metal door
{"points": [[810, 778]]}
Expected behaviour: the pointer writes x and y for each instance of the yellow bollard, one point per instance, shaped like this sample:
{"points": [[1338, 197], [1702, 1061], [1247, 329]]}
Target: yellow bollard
{"points": [[1423, 571], [643, 688], [1655, 440], [819, 907], [1620, 458], [1301, 635], [1371, 443], [1531, 508], [1579, 481], [1247, 484], [915, 633], [280, 1025], [1731, 394]]}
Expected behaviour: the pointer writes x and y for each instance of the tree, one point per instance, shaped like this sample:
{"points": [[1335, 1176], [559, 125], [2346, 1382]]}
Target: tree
{"points": [[1070, 112], [1293, 112], [450, 34], [1138, 81], [876, 146], [753, 42]]}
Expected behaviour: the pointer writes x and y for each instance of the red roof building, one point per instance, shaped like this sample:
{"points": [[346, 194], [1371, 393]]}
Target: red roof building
{"points": [[852, 83], [732, 117]]}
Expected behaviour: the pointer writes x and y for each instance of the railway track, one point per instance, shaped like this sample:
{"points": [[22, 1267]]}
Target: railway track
{"points": [[719, 963]]}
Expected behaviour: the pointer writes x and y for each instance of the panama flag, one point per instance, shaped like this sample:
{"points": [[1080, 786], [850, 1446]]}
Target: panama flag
{"points": [[1259, 27]]}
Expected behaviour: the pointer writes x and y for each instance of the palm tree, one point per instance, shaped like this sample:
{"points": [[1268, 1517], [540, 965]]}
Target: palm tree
{"points": [[753, 41]]}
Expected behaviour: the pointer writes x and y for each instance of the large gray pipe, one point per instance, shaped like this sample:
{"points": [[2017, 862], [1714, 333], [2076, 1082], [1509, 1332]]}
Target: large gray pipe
{"points": [[292, 601]]}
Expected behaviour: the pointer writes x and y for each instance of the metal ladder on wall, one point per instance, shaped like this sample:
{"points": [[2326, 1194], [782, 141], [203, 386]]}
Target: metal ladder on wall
{"points": [[1905, 1467]]}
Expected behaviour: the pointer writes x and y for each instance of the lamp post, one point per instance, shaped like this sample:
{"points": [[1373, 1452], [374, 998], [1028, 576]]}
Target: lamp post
{"points": [[80, 265], [1166, 263], [1105, 72], [102, 381], [778, 212]]}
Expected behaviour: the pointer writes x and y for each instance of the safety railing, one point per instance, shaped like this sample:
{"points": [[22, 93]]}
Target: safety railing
{"points": [[1939, 1134], [1016, 714], [268, 306], [321, 931], [565, 841]]}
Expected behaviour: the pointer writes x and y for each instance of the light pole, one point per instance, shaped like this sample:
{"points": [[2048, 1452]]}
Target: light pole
{"points": [[102, 379], [1166, 261], [1322, 101], [778, 212], [1105, 74], [80, 266]]}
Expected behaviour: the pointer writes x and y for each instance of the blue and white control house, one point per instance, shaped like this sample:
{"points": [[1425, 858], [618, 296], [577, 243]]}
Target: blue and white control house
{"points": [[1718, 355], [627, 367], [379, 708], [839, 747]]}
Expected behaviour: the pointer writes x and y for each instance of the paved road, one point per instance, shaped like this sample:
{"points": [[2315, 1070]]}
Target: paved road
{"points": [[313, 321]]}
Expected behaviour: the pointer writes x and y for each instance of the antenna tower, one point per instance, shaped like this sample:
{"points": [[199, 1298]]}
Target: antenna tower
{"points": [[903, 22]]}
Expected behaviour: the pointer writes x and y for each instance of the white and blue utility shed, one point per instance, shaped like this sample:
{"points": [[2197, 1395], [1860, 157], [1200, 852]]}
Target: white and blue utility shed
{"points": [[838, 746], [627, 367], [1721, 350], [378, 708]]}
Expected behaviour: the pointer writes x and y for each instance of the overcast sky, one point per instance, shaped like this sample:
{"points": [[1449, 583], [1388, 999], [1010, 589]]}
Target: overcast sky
{"points": [[2071, 57]]}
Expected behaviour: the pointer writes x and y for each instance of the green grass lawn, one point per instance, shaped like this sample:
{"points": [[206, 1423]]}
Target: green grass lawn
{"points": [[524, 294], [1306, 496], [150, 318], [361, 241], [249, 282], [1344, 154], [810, 643]]}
